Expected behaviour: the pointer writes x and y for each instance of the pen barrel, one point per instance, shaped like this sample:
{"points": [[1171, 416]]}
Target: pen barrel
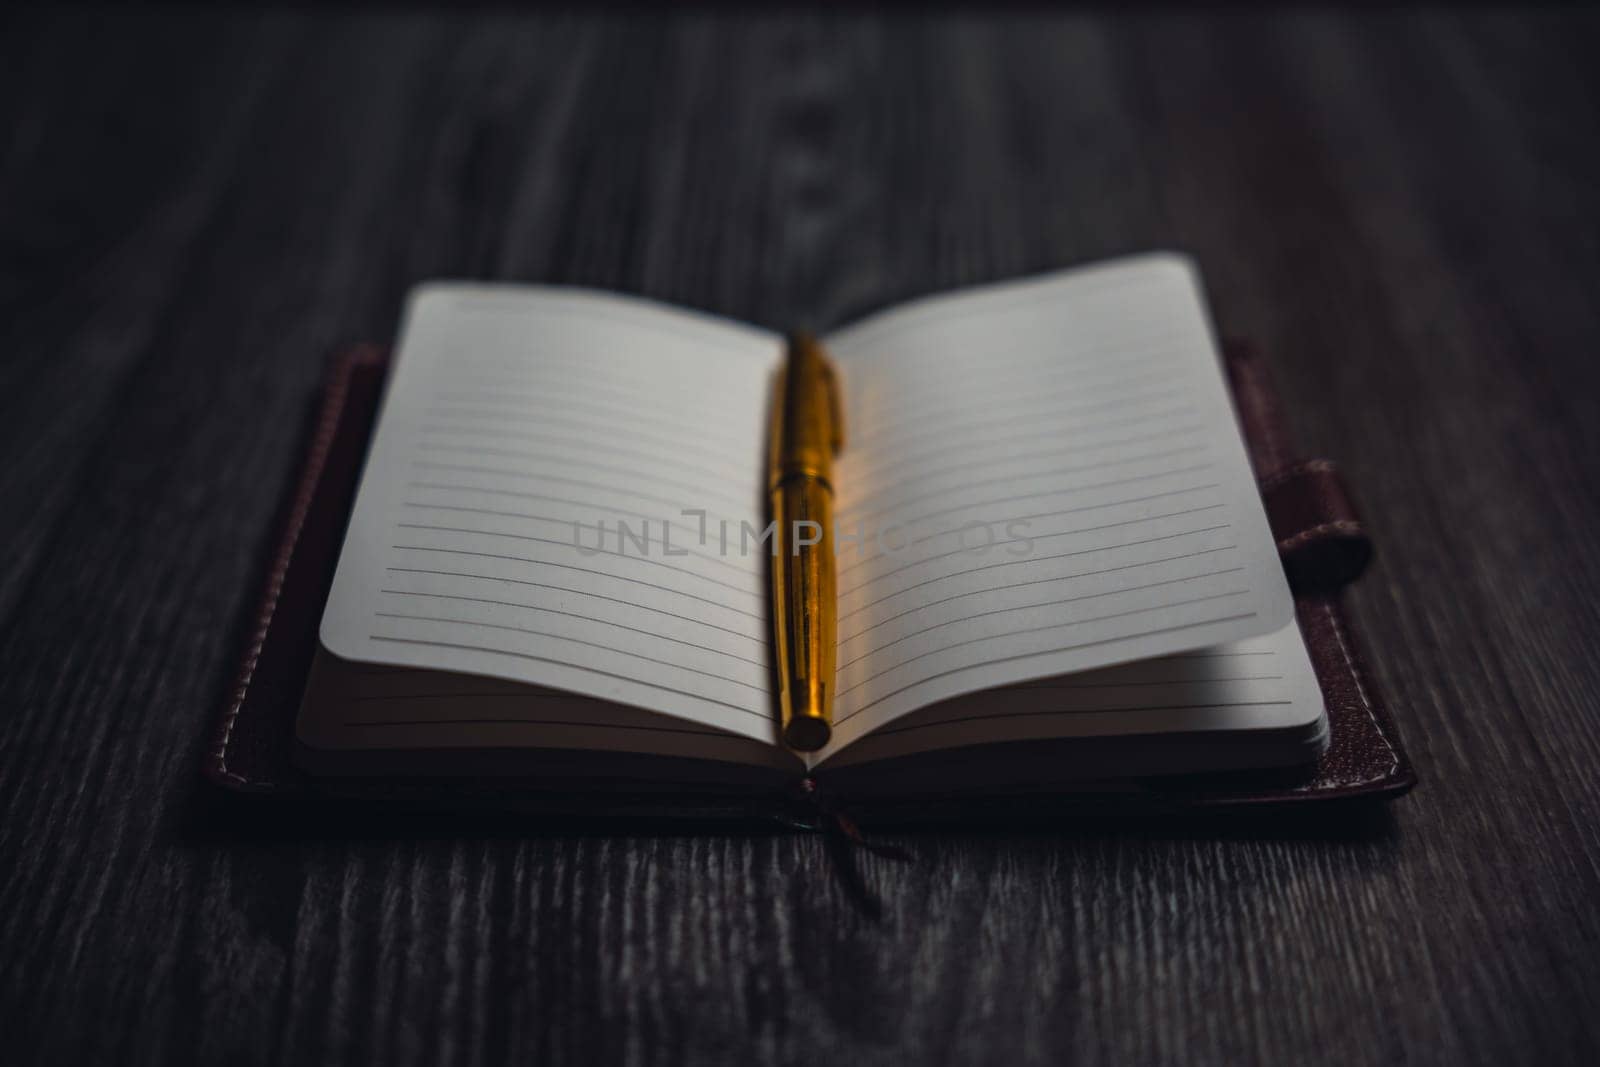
{"points": [[804, 609], [807, 425]]}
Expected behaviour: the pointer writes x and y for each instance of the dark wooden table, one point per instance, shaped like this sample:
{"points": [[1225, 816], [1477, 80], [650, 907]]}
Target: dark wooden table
{"points": [[195, 208]]}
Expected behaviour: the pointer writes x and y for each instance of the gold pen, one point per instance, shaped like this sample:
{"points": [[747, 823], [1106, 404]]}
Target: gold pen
{"points": [[807, 429]]}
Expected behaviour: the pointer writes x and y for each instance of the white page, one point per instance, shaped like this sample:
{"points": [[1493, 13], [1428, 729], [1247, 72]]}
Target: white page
{"points": [[511, 414], [366, 708], [1090, 407], [1263, 684]]}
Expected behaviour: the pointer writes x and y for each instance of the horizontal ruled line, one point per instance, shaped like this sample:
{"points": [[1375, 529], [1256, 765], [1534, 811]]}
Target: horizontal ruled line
{"points": [[910, 727], [610, 510], [1028, 607], [653, 635], [1005, 451], [543, 383], [1006, 366], [1029, 559], [512, 514], [721, 561], [1035, 655], [900, 454], [1041, 581], [1091, 344], [612, 649], [1050, 687], [1037, 515], [588, 570], [454, 424], [1036, 388], [727, 473], [1088, 285], [605, 468], [698, 495], [578, 592], [534, 408], [1086, 355], [639, 313], [520, 721], [1050, 411], [563, 663], [944, 649], [1097, 507], [1042, 494], [603, 574]]}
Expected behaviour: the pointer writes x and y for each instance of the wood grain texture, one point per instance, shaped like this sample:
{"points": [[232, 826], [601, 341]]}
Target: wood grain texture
{"points": [[195, 208]]}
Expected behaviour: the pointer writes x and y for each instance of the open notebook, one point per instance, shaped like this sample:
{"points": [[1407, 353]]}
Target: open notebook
{"points": [[1053, 560]]}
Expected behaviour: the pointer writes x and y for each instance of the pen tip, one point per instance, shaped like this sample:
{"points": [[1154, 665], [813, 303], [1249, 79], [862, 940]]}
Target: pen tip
{"points": [[807, 734]]}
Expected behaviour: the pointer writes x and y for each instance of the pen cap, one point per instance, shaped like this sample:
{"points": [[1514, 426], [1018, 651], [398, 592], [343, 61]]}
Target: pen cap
{"points": [[807, 423]]}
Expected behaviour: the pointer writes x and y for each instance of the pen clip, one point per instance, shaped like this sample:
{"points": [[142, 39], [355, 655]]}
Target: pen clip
{"points": [[835, 403]]}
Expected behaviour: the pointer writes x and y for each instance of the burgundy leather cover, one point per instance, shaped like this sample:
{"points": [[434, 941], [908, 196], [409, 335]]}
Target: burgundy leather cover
{"points": [[1319, 535]]}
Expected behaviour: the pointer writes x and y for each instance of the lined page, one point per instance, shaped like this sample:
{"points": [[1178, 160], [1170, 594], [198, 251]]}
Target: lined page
{"points": [[521, 427], [1042, 477], [367, 708], [1263, 685]]}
